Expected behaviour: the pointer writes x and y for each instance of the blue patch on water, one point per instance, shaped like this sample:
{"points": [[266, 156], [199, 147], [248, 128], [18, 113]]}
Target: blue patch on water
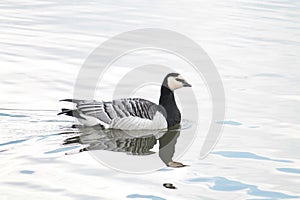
{"points": [[26, 172], [253, 126], [61, 149], [165, 169], [229, 122], [10, 115], [223, 184], [274, 195], [239, 154], [289, 170], [13, 142], [133, 196]]}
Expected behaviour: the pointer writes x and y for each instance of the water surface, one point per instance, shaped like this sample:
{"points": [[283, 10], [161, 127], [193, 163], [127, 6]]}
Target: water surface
{"points": [[255, 46]]}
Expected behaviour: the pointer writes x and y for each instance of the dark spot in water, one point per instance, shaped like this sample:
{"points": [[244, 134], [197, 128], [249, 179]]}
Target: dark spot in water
{"points": [[169, 186]]}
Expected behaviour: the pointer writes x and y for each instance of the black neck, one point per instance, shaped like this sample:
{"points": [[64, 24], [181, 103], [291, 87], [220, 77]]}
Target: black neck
{"points": [[166, 96], [167, 100]]}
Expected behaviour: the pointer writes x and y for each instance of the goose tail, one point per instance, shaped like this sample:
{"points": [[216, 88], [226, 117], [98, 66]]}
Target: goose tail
{"points": [[71, 100], [70, 112]]}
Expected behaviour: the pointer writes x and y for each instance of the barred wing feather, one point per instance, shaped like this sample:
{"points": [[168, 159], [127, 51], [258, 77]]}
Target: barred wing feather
{"points": [[130, 113]]}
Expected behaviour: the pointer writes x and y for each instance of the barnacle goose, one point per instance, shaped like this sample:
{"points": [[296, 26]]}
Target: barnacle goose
{"points": [[132, 113]]}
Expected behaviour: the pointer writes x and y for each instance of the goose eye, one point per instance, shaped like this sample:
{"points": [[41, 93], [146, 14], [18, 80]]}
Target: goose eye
{"points": [[180, 80]]}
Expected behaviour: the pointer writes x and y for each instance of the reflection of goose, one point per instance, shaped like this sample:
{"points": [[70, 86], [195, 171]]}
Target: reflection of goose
{"points": [[132, 113], [129, 142]]}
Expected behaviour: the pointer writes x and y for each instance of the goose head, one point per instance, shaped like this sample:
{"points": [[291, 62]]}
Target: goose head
{"points": [[174, 81]]}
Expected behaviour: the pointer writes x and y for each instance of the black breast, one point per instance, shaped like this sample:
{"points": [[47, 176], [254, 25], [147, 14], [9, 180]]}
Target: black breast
{"points": [[167, 100]]}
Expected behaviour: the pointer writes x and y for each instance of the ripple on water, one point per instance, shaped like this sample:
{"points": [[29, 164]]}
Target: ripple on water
{"points": [[11, 115], [229, 122], [269, 75], [253, 126], [289, 170], [13, 142], [26, 172], [165, 170], [248, 155], [134, 196], [62, 149], [224, 184]]}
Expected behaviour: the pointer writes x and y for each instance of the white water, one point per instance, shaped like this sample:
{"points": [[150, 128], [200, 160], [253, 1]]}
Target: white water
{"points": [[255, 46]]}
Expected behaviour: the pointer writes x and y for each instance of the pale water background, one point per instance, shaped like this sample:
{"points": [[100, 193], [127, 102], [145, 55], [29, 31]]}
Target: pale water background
{"points": [[254, 44]]}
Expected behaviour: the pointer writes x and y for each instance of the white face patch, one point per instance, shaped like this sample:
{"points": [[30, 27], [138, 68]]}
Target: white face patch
{"points": [[173, 84]]}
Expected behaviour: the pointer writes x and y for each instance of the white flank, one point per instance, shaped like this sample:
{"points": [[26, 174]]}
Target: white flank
{"points": [[137, 123], [91, 121]]}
